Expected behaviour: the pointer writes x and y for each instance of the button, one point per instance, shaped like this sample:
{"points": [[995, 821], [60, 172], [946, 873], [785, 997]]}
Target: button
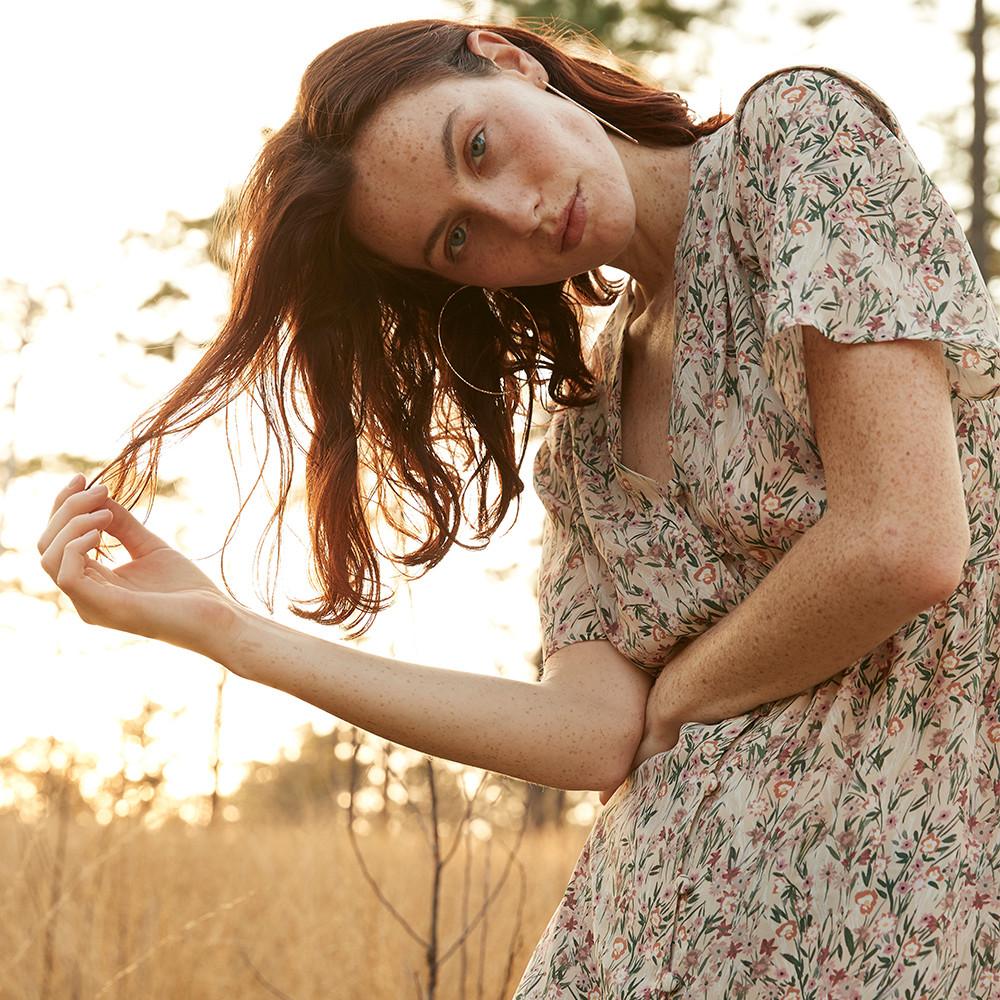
{"points": [[711, 784], [683, 884]]}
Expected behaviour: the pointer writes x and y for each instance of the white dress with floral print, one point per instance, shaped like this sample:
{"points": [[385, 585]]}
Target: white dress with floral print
{"points": [[844, 842]]}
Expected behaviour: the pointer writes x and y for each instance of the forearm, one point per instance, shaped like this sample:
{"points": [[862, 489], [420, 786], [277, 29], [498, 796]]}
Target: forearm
{"points": [[834, 596], [523, 729]]}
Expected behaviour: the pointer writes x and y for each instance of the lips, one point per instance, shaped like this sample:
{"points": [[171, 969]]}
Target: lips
{"points": [[564, 219], [574, 223]]}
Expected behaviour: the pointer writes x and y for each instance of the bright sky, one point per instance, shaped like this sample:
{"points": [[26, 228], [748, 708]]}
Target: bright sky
{"points": [[114, 116]]}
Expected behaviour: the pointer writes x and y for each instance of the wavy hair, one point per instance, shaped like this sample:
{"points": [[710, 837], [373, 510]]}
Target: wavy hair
{"points": [[313, 309]]}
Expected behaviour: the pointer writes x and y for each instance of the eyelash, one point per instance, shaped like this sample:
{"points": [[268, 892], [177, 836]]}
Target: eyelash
{"points": [[449, 254]]}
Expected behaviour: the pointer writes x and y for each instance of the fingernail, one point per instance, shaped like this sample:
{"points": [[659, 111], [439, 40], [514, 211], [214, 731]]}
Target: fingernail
{"points": [[72, 481]]}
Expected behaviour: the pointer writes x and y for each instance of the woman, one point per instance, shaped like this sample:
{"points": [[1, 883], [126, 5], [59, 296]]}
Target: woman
{"points": [[758, 479]]}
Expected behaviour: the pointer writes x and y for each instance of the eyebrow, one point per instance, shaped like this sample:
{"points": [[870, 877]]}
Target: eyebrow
{"points": [[448, 145]]}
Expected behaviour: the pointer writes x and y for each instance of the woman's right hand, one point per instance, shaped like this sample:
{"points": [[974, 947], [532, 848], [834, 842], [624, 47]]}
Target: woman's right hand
{"points": [[160, 594]]}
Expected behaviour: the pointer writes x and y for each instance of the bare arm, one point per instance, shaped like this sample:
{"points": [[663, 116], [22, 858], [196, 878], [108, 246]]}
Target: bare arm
{"points": [[548, 734], [892, 542], [835, 595], [577, 729]]}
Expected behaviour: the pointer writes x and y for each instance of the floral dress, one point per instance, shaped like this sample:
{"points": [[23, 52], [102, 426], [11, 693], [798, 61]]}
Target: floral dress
{"points": [[843, 842]]}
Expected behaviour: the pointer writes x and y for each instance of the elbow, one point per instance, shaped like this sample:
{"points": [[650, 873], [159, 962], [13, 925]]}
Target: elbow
{"points": [[940, 576], [927, 563], [614, 762]]}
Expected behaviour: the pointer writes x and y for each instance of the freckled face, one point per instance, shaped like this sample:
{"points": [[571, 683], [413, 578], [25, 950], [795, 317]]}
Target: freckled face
{"points": [[519, 154]]}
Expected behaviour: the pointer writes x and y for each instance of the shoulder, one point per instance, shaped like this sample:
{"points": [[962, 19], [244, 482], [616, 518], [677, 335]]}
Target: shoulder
{"points": [[793, 87]]}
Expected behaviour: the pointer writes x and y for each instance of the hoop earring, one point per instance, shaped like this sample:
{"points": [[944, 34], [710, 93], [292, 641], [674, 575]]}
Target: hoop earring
{"points": [[593, 114], [491, 392]]}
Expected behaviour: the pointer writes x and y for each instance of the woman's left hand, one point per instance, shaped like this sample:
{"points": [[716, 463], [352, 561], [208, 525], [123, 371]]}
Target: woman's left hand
{"points": [[665, 736]]}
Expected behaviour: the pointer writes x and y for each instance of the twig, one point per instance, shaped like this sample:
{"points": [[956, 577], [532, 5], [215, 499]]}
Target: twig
{"points": [[173, 936], [270, 987]]}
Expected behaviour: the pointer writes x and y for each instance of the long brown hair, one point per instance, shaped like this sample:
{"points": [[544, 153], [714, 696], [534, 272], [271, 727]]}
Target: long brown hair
{"points": [[359, 334]]}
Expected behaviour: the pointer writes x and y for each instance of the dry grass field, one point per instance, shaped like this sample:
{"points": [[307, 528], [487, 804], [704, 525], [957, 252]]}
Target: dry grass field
{"points": [[245, 910]]}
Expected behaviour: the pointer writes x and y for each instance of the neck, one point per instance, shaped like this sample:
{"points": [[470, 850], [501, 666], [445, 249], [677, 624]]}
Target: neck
{"points": [[660, 178]]}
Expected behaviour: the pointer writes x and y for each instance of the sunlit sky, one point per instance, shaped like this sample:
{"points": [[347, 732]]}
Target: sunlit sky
{"points": [[114, 115]]}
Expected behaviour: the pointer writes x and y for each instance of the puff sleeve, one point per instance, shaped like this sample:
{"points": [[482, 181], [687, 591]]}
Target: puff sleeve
{"points": [[567, 609], [840, 227]]}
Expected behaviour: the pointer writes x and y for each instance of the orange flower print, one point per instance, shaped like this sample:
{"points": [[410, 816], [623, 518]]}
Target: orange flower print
{"points": [[911, 948], [783, 787], [617, 948], [770, 502], [787, 930], [846, 143], [933, 282], [974, 466], [705, 574], [894, 725], [799, 226], [793, 94], [970, 358], [858, 195], [866, 900], [949, 661], [993, 732]]}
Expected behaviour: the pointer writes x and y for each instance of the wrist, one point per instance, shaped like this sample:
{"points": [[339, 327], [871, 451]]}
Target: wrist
{"points": [[663, 714], [231, 626]]}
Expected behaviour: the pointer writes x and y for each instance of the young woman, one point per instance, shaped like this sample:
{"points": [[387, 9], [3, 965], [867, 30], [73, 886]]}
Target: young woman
{"points": [[768, 591]]}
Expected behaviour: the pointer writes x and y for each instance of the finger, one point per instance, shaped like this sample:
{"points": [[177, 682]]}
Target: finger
{"points": [[85, 593], [78, 525], [71, 500], [75, 484], [130, 531]]}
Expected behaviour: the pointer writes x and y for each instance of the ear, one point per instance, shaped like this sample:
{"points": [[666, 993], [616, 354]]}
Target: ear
{"points": [[506, 55]]}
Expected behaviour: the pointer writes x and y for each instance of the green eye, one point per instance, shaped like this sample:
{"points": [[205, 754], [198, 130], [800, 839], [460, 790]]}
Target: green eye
{"points": [[477, 147]]}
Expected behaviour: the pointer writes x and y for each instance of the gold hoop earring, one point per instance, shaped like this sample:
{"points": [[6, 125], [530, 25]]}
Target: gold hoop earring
{"points": [[491, 392]]}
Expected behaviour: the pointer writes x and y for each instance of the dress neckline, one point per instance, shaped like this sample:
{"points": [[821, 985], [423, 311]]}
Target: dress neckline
{"points": [[631, 479]]}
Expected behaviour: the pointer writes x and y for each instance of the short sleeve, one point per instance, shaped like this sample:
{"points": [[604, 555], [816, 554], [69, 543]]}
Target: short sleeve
{"points": [[840, 227], [567, 609]]}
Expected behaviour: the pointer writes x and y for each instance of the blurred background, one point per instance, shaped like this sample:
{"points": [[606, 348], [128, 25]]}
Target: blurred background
{"points": [[126, 128]]}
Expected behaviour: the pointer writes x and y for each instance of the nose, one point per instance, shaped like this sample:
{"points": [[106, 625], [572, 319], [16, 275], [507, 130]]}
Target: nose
{"points": [[516, 211]]}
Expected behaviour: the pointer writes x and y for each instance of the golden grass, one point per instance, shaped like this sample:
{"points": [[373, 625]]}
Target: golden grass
{"points": [[249, 910]]}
